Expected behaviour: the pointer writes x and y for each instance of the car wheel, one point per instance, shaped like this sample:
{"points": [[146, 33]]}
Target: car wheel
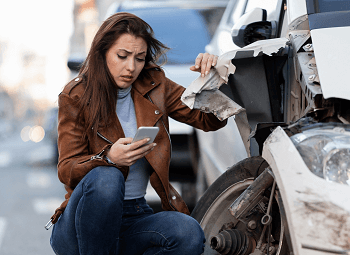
{"points": [[213, 215]]}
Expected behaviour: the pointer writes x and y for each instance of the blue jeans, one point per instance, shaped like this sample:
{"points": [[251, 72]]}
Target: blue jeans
{"points": [[98, 221]]}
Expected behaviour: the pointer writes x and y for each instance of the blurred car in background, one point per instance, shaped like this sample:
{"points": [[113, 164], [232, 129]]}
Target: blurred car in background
{"points": [[186, 27]]}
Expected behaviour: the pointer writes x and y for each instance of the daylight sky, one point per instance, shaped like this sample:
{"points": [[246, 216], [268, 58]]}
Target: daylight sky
{"points": [[43, 28]]}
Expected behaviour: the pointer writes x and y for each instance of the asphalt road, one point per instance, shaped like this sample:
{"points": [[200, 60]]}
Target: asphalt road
{"points": [[29, 194]]}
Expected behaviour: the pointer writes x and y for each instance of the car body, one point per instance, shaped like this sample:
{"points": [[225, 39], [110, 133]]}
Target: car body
{"points": [[288, 64], [325, 23]]}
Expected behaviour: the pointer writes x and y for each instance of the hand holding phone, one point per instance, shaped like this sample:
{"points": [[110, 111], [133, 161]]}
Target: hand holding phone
{"points": [[124, 153]]}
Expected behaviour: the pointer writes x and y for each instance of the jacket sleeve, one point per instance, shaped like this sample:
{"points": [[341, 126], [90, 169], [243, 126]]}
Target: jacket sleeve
{"points": [[75, 160], [180, 112]]}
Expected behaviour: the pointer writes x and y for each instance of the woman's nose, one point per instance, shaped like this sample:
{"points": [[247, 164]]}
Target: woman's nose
{"points": [[130, 66]]}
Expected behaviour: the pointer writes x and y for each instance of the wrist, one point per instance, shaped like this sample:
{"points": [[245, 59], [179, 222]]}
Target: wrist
{"points": [[109, 161]]}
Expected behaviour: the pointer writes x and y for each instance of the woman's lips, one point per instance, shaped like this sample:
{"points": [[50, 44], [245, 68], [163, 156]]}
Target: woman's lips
{"points": [[126, 78]]}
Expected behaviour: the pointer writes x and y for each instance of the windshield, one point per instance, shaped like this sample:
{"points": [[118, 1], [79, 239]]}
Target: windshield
{"points": [[332, 5], [185, 31]]}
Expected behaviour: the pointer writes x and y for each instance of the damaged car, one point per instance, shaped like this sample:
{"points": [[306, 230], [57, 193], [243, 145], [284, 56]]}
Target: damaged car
{"points": [[282, 82]]}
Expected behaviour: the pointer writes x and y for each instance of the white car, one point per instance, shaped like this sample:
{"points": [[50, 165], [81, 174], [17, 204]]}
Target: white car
{"points": [[288, 61], [221, 149]]}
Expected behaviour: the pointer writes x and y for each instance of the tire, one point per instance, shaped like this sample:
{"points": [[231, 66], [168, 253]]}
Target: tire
{"points": [[211, 210]]}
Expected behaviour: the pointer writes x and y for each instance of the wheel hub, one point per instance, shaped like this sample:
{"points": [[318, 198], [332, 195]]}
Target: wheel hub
{"points": [[232, 242]]}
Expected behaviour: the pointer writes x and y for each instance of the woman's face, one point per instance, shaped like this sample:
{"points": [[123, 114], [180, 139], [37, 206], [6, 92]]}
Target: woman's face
{"points": [[126, 59]]}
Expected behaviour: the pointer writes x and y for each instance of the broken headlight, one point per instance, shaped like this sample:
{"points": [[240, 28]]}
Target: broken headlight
{"points": [[326, 152]]}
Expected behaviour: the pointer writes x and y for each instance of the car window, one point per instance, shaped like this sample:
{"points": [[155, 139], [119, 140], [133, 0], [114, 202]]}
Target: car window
{"points": [[272, 7], [237, 8], [185, 31]]}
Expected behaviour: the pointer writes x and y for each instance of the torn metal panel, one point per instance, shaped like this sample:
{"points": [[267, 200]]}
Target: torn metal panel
{"points": [[267, 47], [217, 103], [219, 75], [210, 82], [298, 38], [204, 94]]}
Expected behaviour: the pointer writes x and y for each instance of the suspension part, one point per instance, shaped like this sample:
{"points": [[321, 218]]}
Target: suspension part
{"points": [[232, 242], [252, 195]]}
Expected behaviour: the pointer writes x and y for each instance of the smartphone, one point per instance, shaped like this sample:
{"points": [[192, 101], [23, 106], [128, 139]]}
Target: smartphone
{"points": [[146, 132]]}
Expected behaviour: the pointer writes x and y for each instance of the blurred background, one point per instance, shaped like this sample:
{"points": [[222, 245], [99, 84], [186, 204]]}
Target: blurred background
{"points": [[38, 39]]}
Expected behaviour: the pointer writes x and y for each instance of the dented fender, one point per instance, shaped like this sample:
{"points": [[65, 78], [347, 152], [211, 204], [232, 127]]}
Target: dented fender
{"points": [[219, 75], [204, 94], [317, 211]]}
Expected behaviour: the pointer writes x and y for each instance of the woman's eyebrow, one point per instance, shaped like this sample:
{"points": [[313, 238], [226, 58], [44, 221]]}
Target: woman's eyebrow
{"points": [[129, 52]]}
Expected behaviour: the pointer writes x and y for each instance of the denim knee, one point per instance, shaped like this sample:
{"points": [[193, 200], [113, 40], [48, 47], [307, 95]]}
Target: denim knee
{"points": [[188, 234], [106, 182]]}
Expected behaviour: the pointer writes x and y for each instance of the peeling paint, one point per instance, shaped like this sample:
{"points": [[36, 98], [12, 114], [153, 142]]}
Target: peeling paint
{"points": [[217, 103]]}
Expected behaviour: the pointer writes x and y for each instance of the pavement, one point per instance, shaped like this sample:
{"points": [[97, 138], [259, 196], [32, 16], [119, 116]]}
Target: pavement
{"points": [[29, 194]]}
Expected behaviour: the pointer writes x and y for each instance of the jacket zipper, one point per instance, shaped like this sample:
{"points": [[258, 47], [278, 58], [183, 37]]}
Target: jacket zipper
{"points": [[104, 138], [97, 156], [171, 148]]}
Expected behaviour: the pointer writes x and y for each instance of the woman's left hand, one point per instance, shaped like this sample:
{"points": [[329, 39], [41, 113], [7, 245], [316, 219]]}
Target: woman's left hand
{"points": [[204, 62]]}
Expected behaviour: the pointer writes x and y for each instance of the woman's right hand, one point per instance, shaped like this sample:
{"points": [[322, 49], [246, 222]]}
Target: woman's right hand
{"points": [[125, 153]]}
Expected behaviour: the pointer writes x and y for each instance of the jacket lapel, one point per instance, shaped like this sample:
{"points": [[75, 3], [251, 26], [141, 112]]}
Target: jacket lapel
{"points": [[147, 114]]}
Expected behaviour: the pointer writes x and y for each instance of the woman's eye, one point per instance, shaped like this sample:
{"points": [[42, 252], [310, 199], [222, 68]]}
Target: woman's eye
{"points": [[121, 57], [140, 59]]}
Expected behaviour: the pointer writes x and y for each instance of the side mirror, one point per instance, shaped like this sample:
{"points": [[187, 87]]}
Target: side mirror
{"points": [[252, 26], [74, 64]]}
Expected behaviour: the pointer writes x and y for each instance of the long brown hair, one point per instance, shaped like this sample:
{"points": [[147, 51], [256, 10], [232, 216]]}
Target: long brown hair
{"points": [[100, 96]]}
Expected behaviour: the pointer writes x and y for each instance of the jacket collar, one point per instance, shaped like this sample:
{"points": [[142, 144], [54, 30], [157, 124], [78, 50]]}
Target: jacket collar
{"points": [[148, 82]]}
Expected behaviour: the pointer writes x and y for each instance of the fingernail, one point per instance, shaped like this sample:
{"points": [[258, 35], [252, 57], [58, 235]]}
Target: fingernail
{"points": [[206, 72], [197, 67], [148, 139], [202, 74], [154, 145], [212, 64]]}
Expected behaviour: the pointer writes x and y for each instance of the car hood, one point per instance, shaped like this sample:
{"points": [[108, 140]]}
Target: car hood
{"points": [[332, 53]]}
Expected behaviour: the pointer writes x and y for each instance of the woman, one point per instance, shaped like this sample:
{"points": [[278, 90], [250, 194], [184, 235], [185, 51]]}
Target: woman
{"points": [[104, 174]]}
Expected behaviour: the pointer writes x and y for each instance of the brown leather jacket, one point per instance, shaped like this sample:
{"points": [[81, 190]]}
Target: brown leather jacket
{"points": [[155, 98]]}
